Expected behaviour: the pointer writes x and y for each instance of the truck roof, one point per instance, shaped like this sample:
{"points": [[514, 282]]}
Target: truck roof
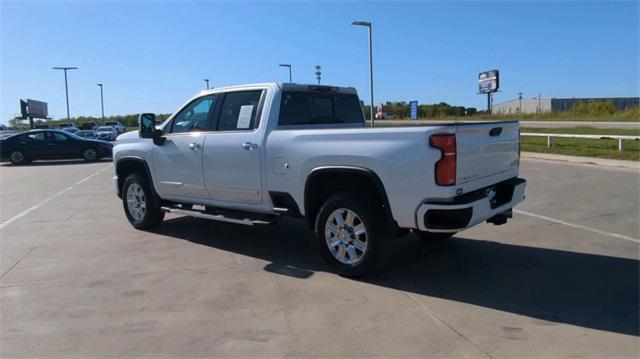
{"points": [[284, 86]]}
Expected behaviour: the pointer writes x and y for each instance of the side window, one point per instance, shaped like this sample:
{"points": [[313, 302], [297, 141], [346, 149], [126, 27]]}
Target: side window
{"points": [[58, 137], [239, 111], [194, 117], [38, 136]]}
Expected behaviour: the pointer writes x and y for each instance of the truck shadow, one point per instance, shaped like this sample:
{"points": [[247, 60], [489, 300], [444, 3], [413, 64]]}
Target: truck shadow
{"points": [[588, 290]]}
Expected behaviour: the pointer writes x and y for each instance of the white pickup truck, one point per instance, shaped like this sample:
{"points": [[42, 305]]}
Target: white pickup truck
{"points": [[251, 154]]}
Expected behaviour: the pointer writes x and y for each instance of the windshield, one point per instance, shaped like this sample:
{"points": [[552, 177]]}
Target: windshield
{"points": [[111, 123], [105, 128]]}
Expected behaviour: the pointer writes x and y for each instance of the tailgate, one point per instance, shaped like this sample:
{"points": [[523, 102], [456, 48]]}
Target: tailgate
{"points": [[486, 149]]}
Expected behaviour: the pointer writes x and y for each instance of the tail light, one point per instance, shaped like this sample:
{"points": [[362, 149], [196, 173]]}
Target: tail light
{"points": [[519, 145], [445, 167]]}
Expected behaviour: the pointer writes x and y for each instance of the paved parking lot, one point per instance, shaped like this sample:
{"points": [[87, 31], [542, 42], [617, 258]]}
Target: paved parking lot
{"points": [[559, 280]]}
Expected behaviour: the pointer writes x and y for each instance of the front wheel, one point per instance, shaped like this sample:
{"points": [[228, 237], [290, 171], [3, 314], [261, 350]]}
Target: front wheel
{"points": [[139, 205], [349, 229], [433, 236]]}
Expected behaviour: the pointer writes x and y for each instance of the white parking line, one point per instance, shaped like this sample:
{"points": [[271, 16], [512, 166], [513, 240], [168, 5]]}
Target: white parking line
{"points": [[49, 199], [573, 225]]}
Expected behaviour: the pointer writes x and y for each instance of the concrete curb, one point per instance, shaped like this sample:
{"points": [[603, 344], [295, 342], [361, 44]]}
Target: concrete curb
{"points": [[634, 165]]}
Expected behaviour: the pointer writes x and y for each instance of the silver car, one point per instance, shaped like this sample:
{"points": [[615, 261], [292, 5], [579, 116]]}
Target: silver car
{"points": [[107, 133]]}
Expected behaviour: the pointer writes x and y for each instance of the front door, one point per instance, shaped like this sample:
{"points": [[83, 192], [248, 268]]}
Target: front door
{"points": [[177, 163], [61, 145], [232, 153]]}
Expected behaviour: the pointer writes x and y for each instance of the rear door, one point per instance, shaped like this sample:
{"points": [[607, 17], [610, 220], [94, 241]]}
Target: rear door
{"points": [[232, 153], [486, 150]]}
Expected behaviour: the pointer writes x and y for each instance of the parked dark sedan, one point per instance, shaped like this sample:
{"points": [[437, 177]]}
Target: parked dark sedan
{"points": [[51, 144]]}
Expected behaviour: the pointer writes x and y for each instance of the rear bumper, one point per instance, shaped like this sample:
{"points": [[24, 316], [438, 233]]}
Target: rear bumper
{"points": [[467, 210]]}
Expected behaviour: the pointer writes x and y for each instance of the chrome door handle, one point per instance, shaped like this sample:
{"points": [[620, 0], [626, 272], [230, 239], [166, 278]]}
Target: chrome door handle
{"points": [[194, 146], [249, 146]]}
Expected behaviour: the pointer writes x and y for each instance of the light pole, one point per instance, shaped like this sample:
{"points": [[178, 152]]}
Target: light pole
{"points": [[207, 82], [289, 66], [101, 101], [318, 73], [520, 99], [368, 25], [66, 87]]}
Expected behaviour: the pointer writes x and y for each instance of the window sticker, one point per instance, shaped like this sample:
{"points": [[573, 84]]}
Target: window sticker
{"points": [[244, 117]]}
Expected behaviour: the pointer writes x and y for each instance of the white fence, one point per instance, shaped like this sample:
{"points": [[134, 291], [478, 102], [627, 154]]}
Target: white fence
{"points": [[549, 137]]}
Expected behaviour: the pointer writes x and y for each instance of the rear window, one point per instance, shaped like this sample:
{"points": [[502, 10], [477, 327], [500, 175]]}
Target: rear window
{"points": [[310, 108]]}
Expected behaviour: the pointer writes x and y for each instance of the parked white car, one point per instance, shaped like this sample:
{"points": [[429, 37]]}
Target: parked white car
{"points": [[251, 154], [119, 126], [107, 133]]}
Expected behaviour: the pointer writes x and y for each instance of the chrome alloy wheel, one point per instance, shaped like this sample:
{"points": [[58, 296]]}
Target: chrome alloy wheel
{"points": [[136, 202], [346, 236]]}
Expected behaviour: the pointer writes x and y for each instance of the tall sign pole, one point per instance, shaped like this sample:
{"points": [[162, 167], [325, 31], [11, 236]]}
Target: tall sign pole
{"points": [[488, 83]]}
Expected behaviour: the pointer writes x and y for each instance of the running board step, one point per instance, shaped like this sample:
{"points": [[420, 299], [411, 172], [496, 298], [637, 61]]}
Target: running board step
{"points": [[214, 217]]}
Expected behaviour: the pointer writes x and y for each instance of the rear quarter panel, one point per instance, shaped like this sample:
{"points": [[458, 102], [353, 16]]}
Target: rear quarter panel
{"points": [[400, 157]]}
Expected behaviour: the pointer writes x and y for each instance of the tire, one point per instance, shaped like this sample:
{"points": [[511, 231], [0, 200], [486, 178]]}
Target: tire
{"points": [[17, 157], [90, 154], [139, 203], [351, 253], [432, 236]]}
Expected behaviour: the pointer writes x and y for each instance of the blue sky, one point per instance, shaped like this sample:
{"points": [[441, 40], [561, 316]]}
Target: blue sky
{"points": [[152, 55]]}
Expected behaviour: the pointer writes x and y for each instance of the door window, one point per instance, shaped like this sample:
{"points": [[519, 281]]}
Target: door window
{"points": [[239, 111], [58, 137], [38, 136], [195, 117]]}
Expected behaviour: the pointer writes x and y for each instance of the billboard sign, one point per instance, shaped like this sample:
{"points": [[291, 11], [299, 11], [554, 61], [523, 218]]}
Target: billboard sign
{"points": [[413, 110], [34, 109], [489, 81]]}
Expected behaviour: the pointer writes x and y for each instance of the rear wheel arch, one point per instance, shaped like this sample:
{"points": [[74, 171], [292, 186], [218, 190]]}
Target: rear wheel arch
{"points": [[323, 182]]}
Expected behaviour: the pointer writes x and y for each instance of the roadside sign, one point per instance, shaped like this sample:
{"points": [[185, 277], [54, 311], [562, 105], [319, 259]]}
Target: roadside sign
{"points": [[413, 110], [489, 81]]}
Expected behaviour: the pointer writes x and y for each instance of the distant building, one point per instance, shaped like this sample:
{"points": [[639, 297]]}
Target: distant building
{"points": [[535, 105]]}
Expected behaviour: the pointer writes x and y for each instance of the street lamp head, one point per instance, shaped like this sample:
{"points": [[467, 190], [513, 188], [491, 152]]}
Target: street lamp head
{"points": [[361, 23], [99, 85], [285, 65], [64, 68]]}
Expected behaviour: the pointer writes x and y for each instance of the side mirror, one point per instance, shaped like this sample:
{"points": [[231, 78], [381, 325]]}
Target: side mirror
{"points": [[147, 125], [147, 128]]}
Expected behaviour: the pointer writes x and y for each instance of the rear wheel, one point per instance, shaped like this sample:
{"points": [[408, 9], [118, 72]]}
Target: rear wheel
{"points": [[17, 157], [432, 236], [90, 154], [350, 228], [139, 205]]}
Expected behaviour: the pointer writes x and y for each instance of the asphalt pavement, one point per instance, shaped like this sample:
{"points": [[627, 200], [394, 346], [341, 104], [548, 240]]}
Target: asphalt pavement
{"points": [[559, 280]]}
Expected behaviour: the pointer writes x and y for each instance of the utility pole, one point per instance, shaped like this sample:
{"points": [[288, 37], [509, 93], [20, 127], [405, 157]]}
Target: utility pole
{"points": [[368, 25], [66, 87], [101, 101], [318, 73], [289, 66], [207, 82], [539, 104]]}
